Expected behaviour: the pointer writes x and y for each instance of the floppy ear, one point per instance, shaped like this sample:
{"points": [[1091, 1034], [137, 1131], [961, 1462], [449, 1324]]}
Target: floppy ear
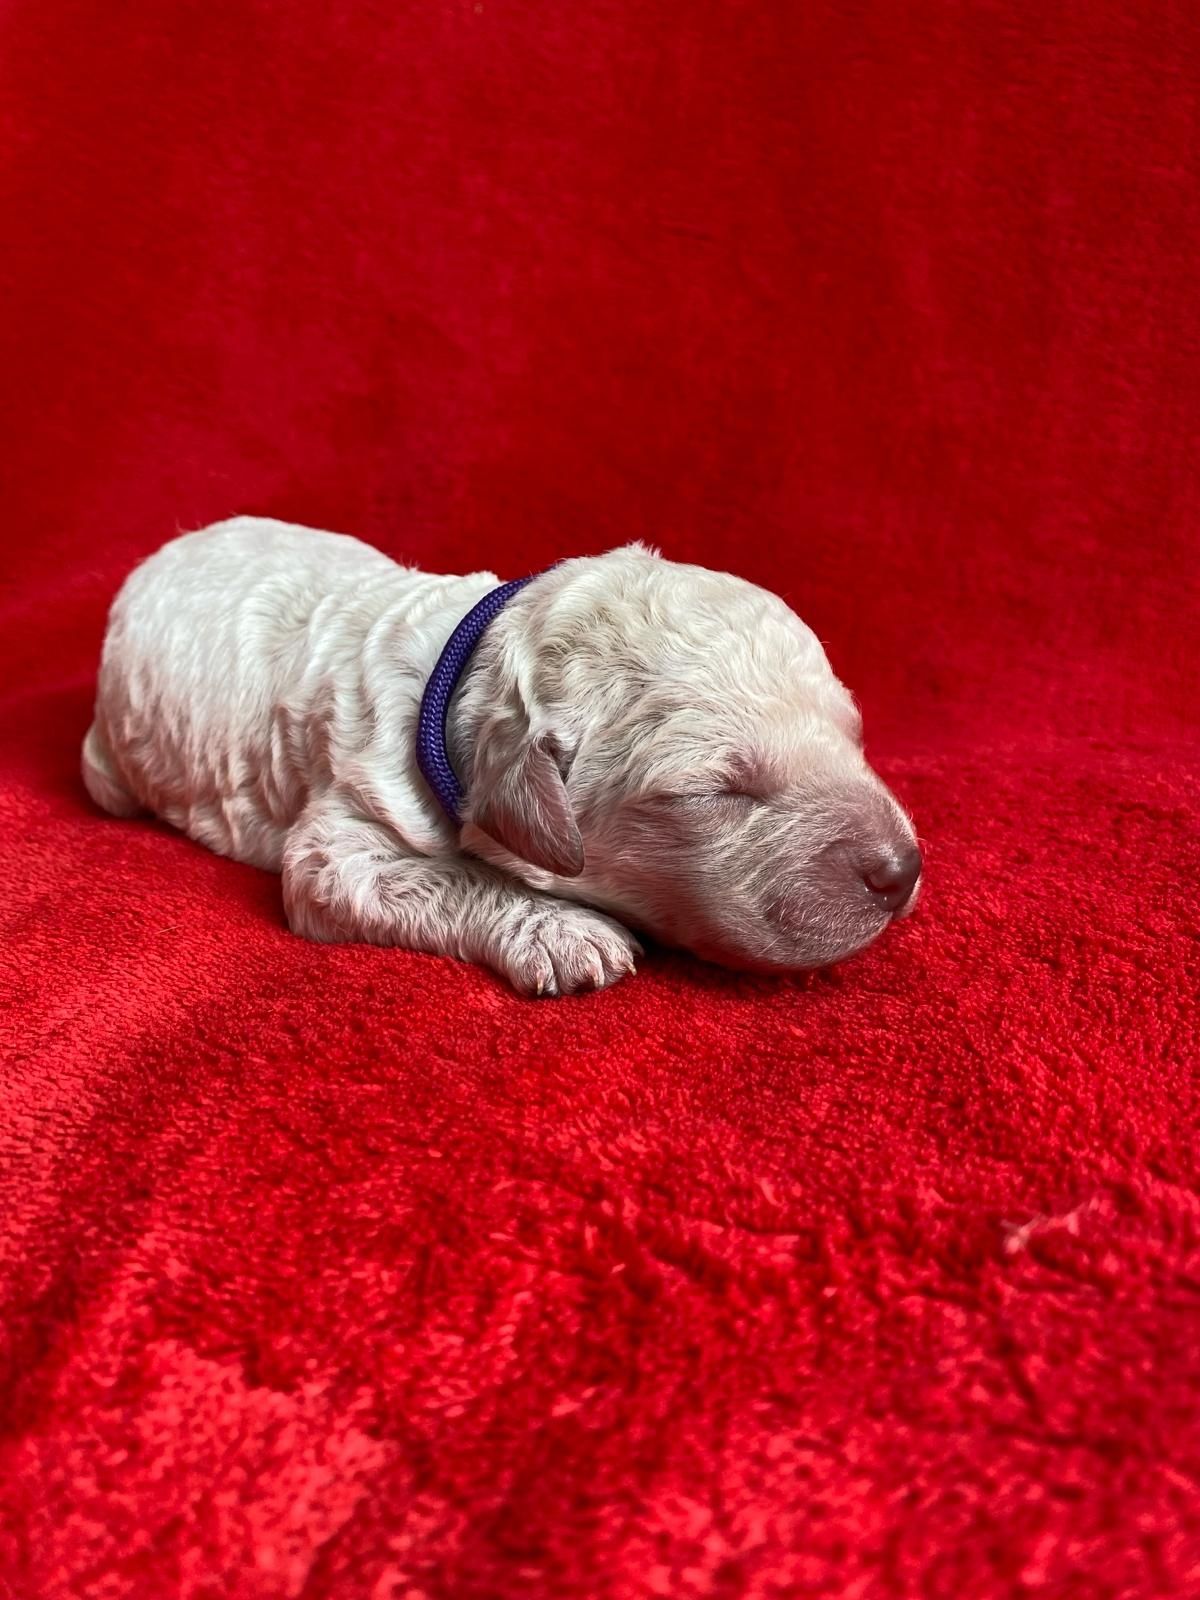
{"points": [[521, 801]]}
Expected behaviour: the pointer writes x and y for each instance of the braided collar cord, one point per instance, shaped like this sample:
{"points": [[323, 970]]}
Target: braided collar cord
{"points": [[432, 756]]}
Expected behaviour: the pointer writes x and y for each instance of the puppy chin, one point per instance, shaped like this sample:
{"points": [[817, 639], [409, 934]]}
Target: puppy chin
{"points": [[764, 947]]}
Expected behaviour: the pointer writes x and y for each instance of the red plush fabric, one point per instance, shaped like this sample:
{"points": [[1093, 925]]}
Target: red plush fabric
{"points": [[343, 1272]]}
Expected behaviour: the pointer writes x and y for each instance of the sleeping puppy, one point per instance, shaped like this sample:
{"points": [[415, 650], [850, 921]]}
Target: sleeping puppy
{"points": [[507, 776]]}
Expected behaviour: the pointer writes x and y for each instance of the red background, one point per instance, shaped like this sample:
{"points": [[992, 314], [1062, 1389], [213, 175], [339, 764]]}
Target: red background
{"points": [[339, 1272]]}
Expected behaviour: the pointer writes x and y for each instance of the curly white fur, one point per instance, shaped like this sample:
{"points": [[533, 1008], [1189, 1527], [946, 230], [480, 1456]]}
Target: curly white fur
{"points": [[662, 742]]}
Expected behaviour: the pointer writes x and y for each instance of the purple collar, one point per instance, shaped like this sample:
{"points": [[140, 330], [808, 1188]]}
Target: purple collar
{"points": [[432, 755]]}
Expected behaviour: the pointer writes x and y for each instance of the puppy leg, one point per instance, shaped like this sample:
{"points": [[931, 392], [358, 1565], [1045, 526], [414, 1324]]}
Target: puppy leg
{"points": [[102, 780], [346, 879]]}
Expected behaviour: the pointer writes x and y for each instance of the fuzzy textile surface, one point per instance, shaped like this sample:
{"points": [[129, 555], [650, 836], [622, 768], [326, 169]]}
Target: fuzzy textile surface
{"points": [[342, 1272]]}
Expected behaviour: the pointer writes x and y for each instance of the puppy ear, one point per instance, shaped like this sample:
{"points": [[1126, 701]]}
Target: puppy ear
{"points": [[524, 806]]}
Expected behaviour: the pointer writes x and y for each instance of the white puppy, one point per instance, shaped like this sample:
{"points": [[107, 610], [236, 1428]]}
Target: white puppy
{"points": [[660, 741]]}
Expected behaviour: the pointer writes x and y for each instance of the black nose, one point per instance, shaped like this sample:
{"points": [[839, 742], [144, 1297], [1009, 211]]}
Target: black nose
{"points": [[892, 880]]}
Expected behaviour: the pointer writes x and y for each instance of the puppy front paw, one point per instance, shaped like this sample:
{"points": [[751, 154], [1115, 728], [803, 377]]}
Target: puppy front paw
{"points": [[565, 950]]}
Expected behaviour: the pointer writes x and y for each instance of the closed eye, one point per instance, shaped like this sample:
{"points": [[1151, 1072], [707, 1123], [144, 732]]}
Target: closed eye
{"points": [[711, 798]]}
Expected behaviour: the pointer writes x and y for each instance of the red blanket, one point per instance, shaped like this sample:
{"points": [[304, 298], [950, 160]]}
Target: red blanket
{"points": [[343, 1272]]}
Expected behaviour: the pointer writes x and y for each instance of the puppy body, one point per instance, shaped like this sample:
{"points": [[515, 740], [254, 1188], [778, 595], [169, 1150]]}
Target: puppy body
{"points": [[663, 742]]}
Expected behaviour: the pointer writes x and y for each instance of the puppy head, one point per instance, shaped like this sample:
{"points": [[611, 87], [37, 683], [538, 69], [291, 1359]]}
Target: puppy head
{"points": [[671, 744]]}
